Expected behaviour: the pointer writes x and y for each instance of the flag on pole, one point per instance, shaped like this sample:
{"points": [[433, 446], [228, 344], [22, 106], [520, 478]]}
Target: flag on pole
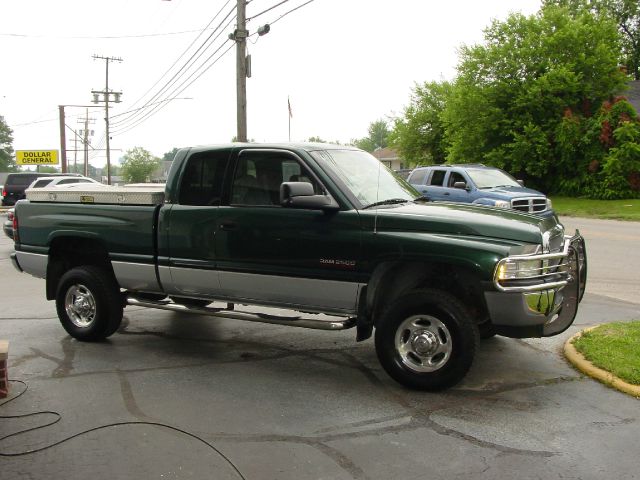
{"points": [[289, 105]]}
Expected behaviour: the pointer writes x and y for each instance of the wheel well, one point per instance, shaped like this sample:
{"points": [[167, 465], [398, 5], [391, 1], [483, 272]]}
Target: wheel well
{"points": [[392, 279], [66, 253]]}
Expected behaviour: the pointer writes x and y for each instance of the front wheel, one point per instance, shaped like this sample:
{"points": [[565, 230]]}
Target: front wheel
{"points": [[88, 303], [426, 340]]}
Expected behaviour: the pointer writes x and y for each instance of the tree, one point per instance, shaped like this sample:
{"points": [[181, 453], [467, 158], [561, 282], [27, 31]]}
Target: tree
{"points": [[7, 162], [518, 93], [419, 134], [168, 156], [48, 169], [138, 165], [377, 138], [626, 14]]}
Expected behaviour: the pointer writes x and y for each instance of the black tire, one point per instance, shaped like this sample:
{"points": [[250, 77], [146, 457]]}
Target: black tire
{"points": [[190, 302], [426, 340], [89, 303]]}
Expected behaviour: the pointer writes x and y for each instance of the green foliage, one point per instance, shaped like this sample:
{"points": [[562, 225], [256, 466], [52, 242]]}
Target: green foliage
{"points": [[138, 164], [614, 347], [625, 209], [48, 169], [377, 138], [168, 156], [7, 160], [626, 15], [419, 134], [524, 99]]}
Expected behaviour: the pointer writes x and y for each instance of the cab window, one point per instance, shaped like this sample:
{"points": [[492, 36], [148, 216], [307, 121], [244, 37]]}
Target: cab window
{"points": [[437, 177], [455, 177], [418, 177], [258, 177], [202, 180]]}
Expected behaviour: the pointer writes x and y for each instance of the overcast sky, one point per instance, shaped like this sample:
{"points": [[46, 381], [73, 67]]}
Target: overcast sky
{"points": [[342, 63]]}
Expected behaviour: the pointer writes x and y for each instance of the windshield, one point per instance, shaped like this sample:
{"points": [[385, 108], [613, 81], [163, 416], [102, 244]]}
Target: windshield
{"points": [[486, 178], [368, 179]]}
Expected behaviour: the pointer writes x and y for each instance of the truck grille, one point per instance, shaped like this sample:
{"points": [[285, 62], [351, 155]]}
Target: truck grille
{"points": [[530, 205]]}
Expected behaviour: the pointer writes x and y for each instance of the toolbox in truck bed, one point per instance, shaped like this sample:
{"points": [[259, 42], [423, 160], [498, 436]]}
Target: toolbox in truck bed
{"points": [[151, 194]]}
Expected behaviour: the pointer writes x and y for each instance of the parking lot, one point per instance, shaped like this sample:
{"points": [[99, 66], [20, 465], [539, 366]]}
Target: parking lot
{"points": [[184, 396]]}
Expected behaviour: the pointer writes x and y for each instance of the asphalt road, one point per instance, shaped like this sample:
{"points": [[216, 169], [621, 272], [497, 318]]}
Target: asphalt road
{"points": [[171, 394]]}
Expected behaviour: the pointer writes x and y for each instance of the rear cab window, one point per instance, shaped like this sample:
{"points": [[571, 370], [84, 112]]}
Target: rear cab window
{"points": [[203, 177]]}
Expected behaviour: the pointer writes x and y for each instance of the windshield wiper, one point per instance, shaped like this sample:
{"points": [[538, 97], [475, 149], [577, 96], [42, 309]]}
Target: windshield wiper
{"points": [[389, 201]]}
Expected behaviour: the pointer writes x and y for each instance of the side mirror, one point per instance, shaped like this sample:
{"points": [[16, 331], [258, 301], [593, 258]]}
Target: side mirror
{"points": [[301, 195], [460, 185], [521, 182]]}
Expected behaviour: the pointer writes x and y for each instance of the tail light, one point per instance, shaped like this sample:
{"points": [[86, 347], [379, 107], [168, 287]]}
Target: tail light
{"points": [[16, 238]]}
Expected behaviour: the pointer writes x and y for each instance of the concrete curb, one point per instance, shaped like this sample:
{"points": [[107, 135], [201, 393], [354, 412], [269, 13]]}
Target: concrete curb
{"points": [[585, 366]]}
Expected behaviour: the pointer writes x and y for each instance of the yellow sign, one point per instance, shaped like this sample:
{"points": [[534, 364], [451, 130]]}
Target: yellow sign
{"points": [[37, 157]]}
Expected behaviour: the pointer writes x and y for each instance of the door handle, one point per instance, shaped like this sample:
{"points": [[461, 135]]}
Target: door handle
{"points": [[447, 193], [228, 225]]}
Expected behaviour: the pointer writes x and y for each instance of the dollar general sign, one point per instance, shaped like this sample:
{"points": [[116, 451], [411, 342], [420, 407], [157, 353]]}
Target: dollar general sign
{"points": [[37, 157]]}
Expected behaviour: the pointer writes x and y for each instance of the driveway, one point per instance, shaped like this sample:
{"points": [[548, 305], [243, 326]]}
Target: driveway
{"points": [[179, 396]]}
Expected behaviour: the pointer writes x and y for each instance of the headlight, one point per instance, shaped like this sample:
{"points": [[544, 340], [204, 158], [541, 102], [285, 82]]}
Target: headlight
{"points": [[549, 204], [502, 204], [514, 269]]}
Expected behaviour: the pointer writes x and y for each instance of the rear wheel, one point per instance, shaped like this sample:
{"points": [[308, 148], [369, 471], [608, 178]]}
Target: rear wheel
{"points": [[426, 340], [88, 303]]}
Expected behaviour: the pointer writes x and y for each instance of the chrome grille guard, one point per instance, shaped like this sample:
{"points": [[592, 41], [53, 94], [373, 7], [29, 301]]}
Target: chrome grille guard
{"points": [[555, 270]]}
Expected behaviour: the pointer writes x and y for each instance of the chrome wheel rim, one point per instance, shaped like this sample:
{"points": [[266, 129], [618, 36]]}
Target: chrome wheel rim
{"points": [[80, 306], [423, 343]]}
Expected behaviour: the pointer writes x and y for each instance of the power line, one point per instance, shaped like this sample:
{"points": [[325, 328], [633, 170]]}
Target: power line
{"points": [[130, 123], [97, 37], [291, 11], [185, 67], [143, 113], [160, 106], [267, 10], [182, 54]]}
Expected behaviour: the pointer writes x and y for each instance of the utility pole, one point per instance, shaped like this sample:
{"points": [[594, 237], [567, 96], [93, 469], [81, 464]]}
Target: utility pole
{"points": [[106, 98], [63, 140], [85, 140], [243, 70], [63, 135], [240, 36]]}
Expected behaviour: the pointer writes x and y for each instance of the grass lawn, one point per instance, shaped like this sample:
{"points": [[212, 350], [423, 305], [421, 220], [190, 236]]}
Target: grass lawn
{"points": [[614, 347], [609, 209]]}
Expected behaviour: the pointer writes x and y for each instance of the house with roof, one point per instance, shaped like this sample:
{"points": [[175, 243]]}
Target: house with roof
{"points": [[633, 94], [389, 157]]}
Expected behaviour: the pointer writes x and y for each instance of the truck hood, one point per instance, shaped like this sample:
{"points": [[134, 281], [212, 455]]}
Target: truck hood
{"points": [[512, 192], [461, 219]]}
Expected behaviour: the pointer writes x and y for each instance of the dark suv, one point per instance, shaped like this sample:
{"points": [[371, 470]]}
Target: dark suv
{"points": [[17, 183], [480, 185]]}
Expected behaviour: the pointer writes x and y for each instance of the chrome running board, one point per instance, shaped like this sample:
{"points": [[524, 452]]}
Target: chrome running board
{"points": [[313, 323]]}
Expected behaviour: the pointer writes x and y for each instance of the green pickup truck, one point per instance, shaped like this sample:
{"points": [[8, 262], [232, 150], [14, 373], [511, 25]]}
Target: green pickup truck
{"points": [[326, 233]]}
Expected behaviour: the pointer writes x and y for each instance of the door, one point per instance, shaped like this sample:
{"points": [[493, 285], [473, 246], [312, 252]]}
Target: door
{"points": [[192, 223], [281, 256], [457, 194], [435, 185]]}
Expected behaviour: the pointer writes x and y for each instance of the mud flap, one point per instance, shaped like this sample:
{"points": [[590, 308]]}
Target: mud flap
{"points": [[574, 290]]}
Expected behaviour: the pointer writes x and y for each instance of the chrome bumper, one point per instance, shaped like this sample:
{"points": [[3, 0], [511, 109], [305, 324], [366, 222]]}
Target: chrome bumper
{"points": [[544, 305]]}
